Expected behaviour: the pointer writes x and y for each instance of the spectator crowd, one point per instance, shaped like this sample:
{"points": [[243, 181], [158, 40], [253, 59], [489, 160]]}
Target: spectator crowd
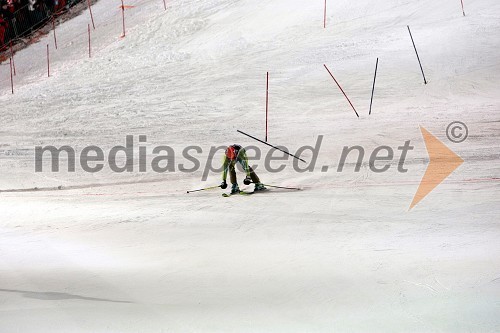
{"points": [[19, 18]]}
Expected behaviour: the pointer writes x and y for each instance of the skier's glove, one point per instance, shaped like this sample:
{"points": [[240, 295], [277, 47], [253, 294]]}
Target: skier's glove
{"points": [[223, 185], [247, 180]]}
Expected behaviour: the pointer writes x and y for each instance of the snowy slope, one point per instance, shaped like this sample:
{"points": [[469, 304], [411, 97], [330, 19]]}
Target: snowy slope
{"points": [[132, 252]]}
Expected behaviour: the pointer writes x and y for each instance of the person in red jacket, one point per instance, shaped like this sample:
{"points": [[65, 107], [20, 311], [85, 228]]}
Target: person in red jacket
{"points": [[237, 154], [59, 5]]}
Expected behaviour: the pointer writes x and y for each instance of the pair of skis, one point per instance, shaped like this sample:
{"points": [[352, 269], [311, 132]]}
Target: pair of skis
{"points": [[227, 195], [244, 192]]}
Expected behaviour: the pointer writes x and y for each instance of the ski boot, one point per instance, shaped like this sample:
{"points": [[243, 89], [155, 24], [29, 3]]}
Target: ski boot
{"points": [[235, 189], [259, 187]]}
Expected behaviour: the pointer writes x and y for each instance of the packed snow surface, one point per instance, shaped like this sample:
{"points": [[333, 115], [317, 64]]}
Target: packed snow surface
{"points": [[133, 252]]}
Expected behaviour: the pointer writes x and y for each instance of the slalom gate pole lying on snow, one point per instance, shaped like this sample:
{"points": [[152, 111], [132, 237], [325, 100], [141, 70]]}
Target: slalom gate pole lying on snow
{"points": [[271, 145], [204, 189]]}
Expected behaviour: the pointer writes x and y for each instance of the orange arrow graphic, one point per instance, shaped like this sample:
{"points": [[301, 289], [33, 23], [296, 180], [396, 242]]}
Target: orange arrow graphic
{"points": [[442, 163]]}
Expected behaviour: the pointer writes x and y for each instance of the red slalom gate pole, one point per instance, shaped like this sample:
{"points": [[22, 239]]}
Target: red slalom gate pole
{"points": [[54, 29], [88, 25], [123, 19], [267, 100], [48, 62], [342, 90], [324, 17], [11, 78], [12, 58], [91, 15], [463, 10]]}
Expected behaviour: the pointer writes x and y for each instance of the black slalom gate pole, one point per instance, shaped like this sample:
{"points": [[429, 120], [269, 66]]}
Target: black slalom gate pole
{"points": [[204, 189], [418, 58], [270, 145], [373, 88]]}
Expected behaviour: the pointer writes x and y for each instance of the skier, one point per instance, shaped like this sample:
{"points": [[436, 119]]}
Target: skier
{"points": [[234, 154]]}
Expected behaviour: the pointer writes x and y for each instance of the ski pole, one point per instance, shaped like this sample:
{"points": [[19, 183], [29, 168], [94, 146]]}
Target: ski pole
{"points": [[204, 189], [285, 188]]}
